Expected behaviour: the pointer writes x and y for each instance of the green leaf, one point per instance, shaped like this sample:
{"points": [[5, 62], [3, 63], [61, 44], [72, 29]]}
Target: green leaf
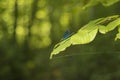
{"points": [[102, 29], [112, 25], [83, 37], [60, 47], [118, 34], [108, 2], [90, 3], [106, 20], [86, 34]]}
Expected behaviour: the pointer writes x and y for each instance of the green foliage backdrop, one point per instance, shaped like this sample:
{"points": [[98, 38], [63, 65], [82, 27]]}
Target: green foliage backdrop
{"points": [[29, 29]]}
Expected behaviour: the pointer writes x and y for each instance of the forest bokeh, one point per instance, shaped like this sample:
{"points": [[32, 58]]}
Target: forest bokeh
{"points": [[29, 29]]}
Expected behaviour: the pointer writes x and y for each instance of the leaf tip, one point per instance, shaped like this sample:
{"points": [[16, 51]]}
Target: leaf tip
{"points": [[51, 56]]}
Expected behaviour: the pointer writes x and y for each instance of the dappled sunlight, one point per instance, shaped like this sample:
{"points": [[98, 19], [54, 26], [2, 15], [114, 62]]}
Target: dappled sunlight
{"points": [[10, 30], [45, 28], [24, 20], [41, 3], [65, 19], [8, 18], [21, 33], [42, 33], [10, 4], [3, 3], [36, 42], [34, 30], [20, 30], [41, 14], [21, 2]]}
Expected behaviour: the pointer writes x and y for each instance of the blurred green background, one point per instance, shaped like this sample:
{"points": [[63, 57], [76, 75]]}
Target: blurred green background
{"points": [[29, 29]]}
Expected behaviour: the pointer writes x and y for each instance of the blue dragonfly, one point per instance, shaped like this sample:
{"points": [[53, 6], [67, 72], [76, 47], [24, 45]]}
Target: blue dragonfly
{"points": [[66, 35]]}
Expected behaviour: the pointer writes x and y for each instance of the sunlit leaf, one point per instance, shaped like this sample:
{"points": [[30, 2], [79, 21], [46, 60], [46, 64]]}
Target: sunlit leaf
{"points": [[102, 29], [118, 34], [60, 47], [90, 3], [84, 37], [112, 25], [91, 25], [95, 2], [108, 2], [106, 20], [88, 32]]}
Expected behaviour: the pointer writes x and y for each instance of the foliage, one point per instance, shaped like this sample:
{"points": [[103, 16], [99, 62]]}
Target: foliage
{"points": [[30, 28], [88, 32]]}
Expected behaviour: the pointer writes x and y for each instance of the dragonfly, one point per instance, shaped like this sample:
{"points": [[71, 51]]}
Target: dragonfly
{"points": [[66, 35]]}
